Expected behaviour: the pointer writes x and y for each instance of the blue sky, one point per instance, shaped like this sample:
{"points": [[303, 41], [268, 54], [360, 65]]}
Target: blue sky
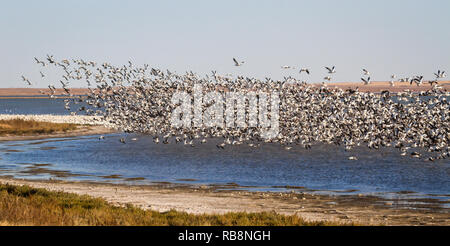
{"points": [[407, 37]]}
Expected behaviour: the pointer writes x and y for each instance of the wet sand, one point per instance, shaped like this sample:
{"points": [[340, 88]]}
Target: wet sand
{"points": [[199, 199]]}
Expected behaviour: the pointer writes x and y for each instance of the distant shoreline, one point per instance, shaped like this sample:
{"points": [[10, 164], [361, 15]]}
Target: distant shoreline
{"points": [[21, 92]]}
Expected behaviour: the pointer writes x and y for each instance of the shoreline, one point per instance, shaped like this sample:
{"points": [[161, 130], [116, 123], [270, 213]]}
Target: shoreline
{"points": [[204, 199], [374, 86]]}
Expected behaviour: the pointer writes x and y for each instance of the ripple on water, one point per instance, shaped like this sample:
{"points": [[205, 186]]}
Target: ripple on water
{"points": [[113, 176], [14, 145], [34, 142], [46, 148], [36, 170]]}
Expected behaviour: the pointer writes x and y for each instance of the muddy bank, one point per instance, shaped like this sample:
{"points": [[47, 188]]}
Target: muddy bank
{"points": [[82, 130]]}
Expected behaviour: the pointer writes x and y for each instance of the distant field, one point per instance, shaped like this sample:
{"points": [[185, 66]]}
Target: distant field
{"points": [[23, 205], [36, 91]]}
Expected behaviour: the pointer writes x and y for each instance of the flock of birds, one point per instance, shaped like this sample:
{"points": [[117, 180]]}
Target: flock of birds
{"points": [[138, 99], [418, 80]]}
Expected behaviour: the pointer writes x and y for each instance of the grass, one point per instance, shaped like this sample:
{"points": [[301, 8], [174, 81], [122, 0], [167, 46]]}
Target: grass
{"points": [[23, 205], [24, 127]]}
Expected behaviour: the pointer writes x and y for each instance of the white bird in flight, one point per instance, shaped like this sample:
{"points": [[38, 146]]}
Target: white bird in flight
{"points": [[440, 74], [331, 70], [236, 63], [392, 80], [26, 80], [418, 80], [50, 59], [366, 72], [366, 81], [304, 70], [40, 62]]}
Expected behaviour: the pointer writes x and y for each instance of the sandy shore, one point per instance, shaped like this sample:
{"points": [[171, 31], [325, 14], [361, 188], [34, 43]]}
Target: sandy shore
{"points": [[361, 209]]}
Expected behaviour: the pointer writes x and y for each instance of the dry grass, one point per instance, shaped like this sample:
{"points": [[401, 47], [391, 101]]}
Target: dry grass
{"points": [[24, 127], [23, 205]]}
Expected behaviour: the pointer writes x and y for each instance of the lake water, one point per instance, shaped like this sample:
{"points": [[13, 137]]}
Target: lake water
{"points": [[324, 168], [37, 105]]}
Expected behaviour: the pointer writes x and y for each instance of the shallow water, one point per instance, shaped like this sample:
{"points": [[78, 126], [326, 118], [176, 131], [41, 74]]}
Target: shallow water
{"points": [[32, 106], [270, 167]]}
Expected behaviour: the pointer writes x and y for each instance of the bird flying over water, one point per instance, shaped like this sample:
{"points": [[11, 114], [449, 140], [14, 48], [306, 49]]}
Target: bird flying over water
{"points": [[142, 107]]}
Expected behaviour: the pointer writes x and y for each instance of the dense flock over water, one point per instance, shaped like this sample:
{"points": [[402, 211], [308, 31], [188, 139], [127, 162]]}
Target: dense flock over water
{"points": [[297, 114]]}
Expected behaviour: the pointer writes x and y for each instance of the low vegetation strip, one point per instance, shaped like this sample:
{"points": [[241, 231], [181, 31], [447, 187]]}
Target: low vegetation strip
{"points": [[23, 127], [23, 205]]}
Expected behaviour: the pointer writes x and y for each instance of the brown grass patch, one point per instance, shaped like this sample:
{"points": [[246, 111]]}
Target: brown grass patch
{"points": [[26, 127], [23, 205]]}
